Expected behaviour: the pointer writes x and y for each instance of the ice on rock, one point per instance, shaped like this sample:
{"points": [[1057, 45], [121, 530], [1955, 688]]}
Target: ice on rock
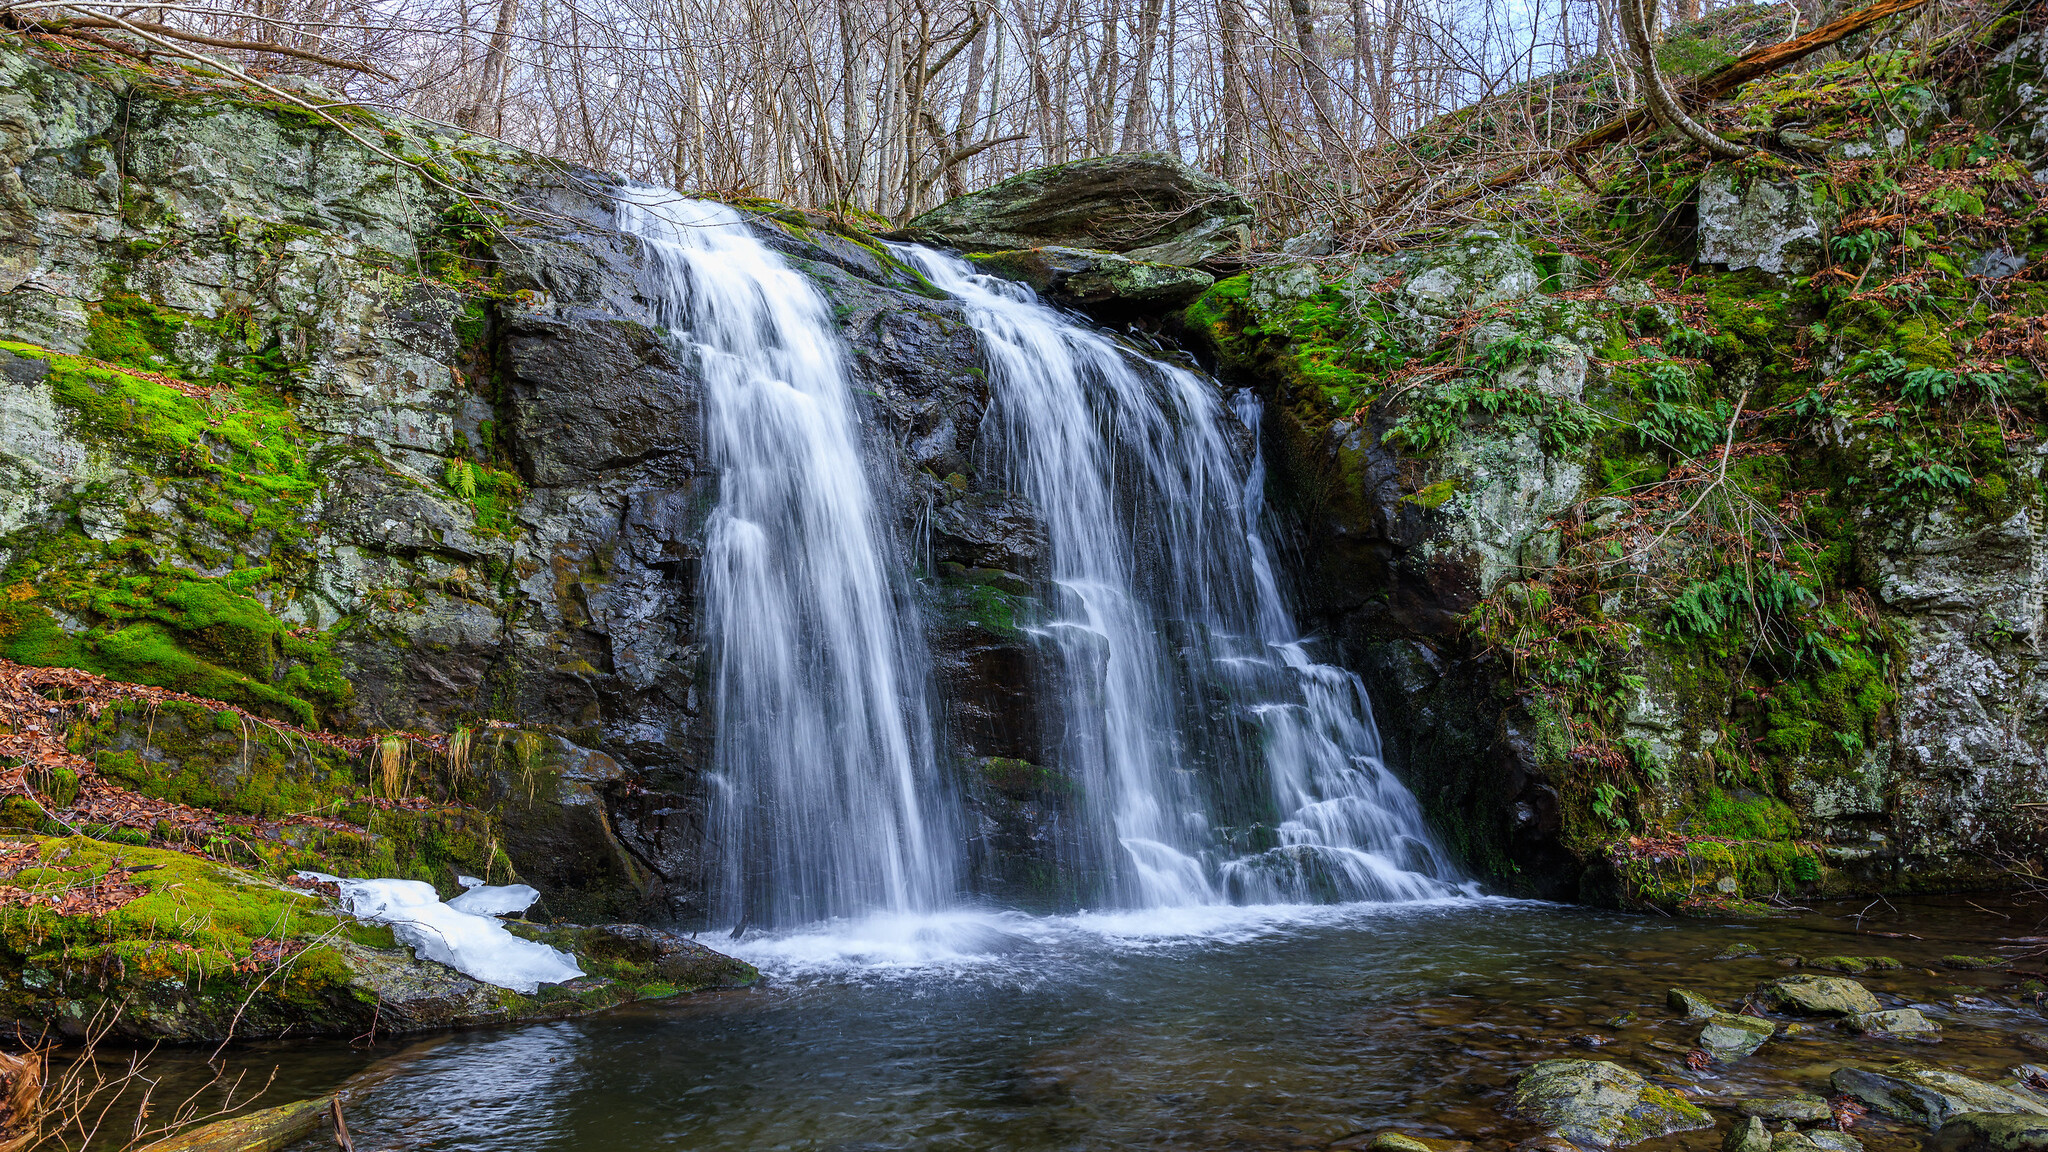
{"points": [[483, 900], [474, 945]]}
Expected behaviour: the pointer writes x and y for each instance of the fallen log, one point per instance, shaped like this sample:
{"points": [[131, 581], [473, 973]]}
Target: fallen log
{"points": [[1712, 86], [265, 1131]]}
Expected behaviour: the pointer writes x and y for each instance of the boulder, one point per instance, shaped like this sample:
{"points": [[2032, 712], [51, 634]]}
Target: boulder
{"points": [[1694, 1005], [1930, 1096], [1151, 207], [1729, 1037], [1101, 283], [1974, 963], [1600, 1104], [1895, 1021], [1817, 1140], [1991, 1132], [1803, 1106], [1756, 222], [1817, 996], [1748, 1135]]}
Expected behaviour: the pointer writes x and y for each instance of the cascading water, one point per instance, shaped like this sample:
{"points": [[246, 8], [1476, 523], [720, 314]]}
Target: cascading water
{"points": [[1183, 688], [827, 801]]}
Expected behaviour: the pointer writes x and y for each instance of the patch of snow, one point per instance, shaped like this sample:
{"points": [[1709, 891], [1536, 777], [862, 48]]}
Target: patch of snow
{"points": [[474, 945]]}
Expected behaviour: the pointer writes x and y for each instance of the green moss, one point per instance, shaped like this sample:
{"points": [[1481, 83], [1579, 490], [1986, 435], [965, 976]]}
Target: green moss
{"points": [[1755, 818]]}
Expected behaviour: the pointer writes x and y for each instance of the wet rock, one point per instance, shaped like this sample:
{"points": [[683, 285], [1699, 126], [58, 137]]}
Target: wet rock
{"points": [[1694, 1005], [1600, 1104], [1991, 1132], [1816, 1140], [1151, 206], [1804, 1106], [1622, 1020], [1747, 1135], [1974, 963], [1103, 284], [1737, 952], [556, 830], [1894, 1021], [1930, 1096], [651, 954], [1729, 1037], [1817, 996]]}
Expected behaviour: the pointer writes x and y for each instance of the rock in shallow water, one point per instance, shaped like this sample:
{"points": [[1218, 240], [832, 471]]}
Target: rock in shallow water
{"points": [[1896, 1021], [1991, 1132], [1600, 1104], [1930, 1096], [1803, 1106], [1817, 996], [1694, 1005], [1729, 1037]]}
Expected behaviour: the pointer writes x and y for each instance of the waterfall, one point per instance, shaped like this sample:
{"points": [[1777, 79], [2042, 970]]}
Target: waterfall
{"points": [[826, 798], [1216, 761]]}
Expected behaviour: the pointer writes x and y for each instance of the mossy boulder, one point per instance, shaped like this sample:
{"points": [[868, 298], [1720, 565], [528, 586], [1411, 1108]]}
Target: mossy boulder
{"points": [[1729, 1037], [1991, 1132], [1817, 996], [1929, 1096], [1600, 1104]]}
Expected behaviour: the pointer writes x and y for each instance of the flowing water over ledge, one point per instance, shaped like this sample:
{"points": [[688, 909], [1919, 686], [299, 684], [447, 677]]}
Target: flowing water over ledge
{"points": [[1205, 1028]]}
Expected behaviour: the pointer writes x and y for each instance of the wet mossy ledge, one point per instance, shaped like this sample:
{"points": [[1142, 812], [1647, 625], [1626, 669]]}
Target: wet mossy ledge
{"points": [[1693, 541]]}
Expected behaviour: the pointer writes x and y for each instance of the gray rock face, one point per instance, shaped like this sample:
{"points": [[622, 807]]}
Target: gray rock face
{"points": [[1148, 206], [1929, 1096], [562, 592], [1991, 1132], [1817, 996], [1773, 225], [1600, 1104]]}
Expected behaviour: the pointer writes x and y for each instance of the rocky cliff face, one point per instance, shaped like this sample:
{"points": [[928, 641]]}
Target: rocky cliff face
{"points": [[1696, 561], [296, 427]]}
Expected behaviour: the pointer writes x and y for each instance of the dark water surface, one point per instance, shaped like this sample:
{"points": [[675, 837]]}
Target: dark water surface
{"points": [[1222, 1029]]}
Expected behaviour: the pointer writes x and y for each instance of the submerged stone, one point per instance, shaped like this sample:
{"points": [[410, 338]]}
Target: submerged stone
{"points": [[1600, 1104], [1930, 1096], [1854, 965], [1817, 996], [1737, 952], [1973, 963]]}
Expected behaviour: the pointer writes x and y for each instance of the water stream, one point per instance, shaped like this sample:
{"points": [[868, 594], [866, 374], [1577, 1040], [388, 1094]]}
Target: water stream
{"points": [[1212, 1029], [827, 801], [1219, 762]]}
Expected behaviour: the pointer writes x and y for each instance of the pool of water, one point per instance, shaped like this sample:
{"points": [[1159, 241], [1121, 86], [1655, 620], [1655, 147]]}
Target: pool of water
{"points": [[1215, 1029]]}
